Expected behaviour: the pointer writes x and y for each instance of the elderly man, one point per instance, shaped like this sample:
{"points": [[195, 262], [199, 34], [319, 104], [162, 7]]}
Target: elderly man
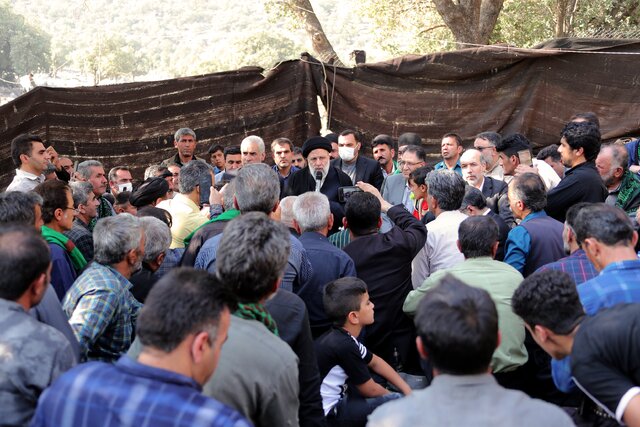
{"points": [[486, 143], [451, 149], [157, 238], [185, 206], [313, 220], [30, 159], [252, 150], [478, 242], [101, 310], [33, 354], [120, 180], [93, 172], [86, 209], [473, 171], [57, 214], [622, 184], [445, 191], [320, 175], [258, 372], [359, 168], [185, 142], [163, 386], [537, 240]]}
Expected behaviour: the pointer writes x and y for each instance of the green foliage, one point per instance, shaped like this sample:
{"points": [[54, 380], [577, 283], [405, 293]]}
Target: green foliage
{"points": [[112, 58], [23, 47]]}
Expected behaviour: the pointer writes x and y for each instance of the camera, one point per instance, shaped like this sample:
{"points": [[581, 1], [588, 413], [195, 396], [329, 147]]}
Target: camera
{"points": [[345, 192]]}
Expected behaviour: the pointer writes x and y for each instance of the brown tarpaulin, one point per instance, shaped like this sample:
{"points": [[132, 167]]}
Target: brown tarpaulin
{"points": [[133, 124], [532, 91]]}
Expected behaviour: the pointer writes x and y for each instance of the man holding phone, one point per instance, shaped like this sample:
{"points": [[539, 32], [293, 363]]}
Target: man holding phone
{"points": [[194, 193], [516, 159]]}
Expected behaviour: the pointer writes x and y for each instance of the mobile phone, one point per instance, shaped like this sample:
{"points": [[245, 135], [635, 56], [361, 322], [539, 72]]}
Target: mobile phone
{"points": [[218, 185], [205, 189], [525, 157], [345, 192]]}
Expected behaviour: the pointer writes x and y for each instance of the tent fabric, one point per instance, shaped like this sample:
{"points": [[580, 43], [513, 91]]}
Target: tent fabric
{"points": [[496, 88]]}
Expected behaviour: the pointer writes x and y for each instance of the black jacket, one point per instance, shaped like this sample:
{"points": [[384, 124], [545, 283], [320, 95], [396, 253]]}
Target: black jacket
{"points": [[367, 170]]}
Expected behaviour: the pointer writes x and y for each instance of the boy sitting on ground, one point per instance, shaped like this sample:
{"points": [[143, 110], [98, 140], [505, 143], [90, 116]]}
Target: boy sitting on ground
{"points": [[343, 360]]}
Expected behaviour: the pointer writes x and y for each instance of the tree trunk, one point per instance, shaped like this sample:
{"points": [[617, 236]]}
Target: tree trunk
{"points": [[470, 21], [319, 41], [565, 10]]}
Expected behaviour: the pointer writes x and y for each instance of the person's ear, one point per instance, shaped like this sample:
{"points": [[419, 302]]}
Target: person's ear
{"points": [[353, 318], [235, 203], [514, 159], [422, 351], [634, 239], [330, 221], [297, 226], [160, 258], [494, 249], [58, 214], [459, 246], [379, 222], [199, 345], [541, 333], [275, 207], [345, 224]]}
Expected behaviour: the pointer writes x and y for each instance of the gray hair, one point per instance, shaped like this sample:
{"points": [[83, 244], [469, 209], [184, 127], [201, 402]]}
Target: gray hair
{"points": [[191, 174], [619, 156], [113, 172], [84, 168], [182, 132], [447, 187], [252, 255], [157, 237], [312, 211], [257, 188], [80, 191], [253, 138], [229, 195], [609, 225], [19, 207], [286, 210], [493, 138], [114, 237], [154, 170], [530, 190]]}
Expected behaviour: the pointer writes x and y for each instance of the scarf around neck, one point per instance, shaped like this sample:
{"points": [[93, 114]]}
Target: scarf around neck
{"points": [[52, 236]]}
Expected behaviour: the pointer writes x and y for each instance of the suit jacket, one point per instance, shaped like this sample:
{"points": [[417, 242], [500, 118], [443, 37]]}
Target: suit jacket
{"points": [[393, 189], [497, 200], [503, 231], [367, 170]]}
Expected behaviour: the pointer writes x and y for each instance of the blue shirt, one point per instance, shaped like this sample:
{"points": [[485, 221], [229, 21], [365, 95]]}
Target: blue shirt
{"points": [[442, 165], [576, 265], [618, 283], [129, 393], [284, 180], [519, 242], [296, 275]]}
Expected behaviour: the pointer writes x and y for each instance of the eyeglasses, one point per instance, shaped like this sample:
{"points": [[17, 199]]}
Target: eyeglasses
{"points": [[409, 164]]}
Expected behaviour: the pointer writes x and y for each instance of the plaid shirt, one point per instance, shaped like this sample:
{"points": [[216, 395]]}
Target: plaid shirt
{"points": [[576, 265], [129, 393], [102, 312], [82, 237]]}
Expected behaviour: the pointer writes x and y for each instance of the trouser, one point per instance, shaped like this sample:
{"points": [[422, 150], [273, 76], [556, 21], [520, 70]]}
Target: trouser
{"points": [[353, 409]]}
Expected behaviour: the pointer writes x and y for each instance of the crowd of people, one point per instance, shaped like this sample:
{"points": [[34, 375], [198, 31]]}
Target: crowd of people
{"points": [[489, 288]]}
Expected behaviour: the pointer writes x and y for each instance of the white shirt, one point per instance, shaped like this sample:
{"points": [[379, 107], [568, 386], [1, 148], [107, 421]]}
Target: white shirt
{"points": [[24, 181]]}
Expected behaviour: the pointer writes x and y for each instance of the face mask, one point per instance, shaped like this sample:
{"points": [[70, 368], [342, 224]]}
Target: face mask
{"points": [[125, 187], [346, 153]]}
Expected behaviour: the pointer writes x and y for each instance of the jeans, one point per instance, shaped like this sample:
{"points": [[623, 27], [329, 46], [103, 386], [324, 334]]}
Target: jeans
{"points": [[353, 409]]}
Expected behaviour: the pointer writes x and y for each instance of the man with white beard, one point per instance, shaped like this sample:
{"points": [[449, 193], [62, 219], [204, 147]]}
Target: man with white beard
{"points": [[320, 176]]}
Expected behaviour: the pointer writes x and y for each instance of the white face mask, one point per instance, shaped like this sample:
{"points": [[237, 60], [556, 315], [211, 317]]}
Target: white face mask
{"points": [[346, 153], [125, 187]]}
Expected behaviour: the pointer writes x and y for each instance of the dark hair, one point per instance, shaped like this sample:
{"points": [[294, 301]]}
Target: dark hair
{"points": [[550, 299], [282, 141], [454, 136], [607, 224], [252, 255], [419, 152], [588, 116], [477, 235], [215, 148], [19, 207], [419, 175], [356, 135], [122, 198], [341, 297], [162, 214], [530, 189], [572, 213], [493, 138], [583, 135], [473, 197], [54, 196], [362, 211], [22, 144], [550, 151], [447, 187], [297, 150], [511, 144], [383, 139], [185, 301], [232, 149], [24, 255], [410, 138], [458, 326]]}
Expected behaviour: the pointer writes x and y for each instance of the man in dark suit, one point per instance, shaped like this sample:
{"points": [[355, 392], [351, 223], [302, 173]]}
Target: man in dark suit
{"points": [[316, 150], [475, 204], [359, 168], [473, 168]]}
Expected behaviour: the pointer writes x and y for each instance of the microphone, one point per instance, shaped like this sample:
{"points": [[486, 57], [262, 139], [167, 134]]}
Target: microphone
{"points": [[318, 180]]}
